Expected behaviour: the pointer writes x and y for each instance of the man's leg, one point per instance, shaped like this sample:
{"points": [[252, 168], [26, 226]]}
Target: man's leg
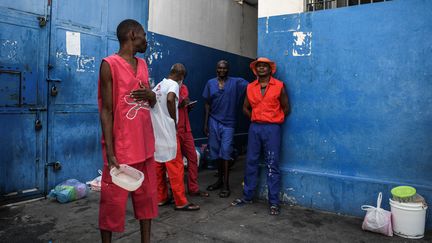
{"points": [[272, 140], [214, 143], [188, 151], [252, 161], [145, 228], [106, 236], [162, 188], [112, 207], [144, 199], [175, 170], [227, 141]]}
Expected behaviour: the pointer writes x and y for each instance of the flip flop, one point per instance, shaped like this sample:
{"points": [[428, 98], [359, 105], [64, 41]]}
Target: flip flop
{"points": [[224, 193], [240, 202], [199, 194], [274, 209], [188, 207]]}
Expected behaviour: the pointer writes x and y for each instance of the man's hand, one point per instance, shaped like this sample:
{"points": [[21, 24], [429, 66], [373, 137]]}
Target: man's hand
{"points": [[143, 94], [112, 162], [184, 102]]}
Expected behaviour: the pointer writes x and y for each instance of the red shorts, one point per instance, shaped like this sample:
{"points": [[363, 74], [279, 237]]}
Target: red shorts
{"points": [[113, 199]]}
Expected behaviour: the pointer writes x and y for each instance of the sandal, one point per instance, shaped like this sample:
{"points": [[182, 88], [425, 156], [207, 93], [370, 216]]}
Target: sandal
{"points": [[215, 186], [240, 202], [188, 207], [199, 194], [274, 209], [224, 193]]}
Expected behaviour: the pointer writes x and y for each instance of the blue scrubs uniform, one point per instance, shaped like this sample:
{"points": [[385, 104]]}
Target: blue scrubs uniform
{"points": [[223, 112]]}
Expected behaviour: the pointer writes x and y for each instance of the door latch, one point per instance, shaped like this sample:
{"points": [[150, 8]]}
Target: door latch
{"points": [[38, 125], [54, 90], [56, 165]]}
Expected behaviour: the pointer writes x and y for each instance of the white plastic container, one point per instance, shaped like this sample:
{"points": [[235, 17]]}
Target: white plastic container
{"points": [[127, 177], [408, 219]]}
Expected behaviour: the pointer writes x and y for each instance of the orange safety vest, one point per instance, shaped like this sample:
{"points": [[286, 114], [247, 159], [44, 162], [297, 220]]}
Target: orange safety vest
{"points": [[266, 108]]}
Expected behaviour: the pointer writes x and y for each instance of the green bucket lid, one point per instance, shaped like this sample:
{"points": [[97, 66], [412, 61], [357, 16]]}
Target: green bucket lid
{"points": [[403, 191]]}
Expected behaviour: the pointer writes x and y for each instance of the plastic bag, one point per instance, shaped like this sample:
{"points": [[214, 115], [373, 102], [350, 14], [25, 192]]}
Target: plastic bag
{"points": [[165, 134], [185, 161], [95, 184], [69, 191], [377, 219]]}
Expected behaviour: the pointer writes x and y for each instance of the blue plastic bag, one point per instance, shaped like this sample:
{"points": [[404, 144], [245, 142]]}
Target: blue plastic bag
{"points": [[69, 191]]}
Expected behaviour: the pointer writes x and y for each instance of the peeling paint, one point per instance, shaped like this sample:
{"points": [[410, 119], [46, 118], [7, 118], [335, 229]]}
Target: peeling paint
{"points": [[85, 64], [156, 50], [9, 49], [289, 199], [64, 57], [267, 23], [302, 45]]}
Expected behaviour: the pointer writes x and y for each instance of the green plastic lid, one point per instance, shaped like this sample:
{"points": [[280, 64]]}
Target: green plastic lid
{"points": [[403, 191]]}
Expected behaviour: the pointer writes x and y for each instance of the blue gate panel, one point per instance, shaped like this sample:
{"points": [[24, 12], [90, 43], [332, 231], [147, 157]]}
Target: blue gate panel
{"points": [[10, 87], [78, 74], [18, 167], [81, 13], [120, 10], [17, 86], [28, 6], [23, 46], [74, 125], [76, 145]]}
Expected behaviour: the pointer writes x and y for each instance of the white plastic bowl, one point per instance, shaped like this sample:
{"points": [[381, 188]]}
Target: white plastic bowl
{"points": [[127, 177]]}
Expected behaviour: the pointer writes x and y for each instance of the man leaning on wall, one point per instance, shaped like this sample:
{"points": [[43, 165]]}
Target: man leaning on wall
{"points": [[267, 105]]}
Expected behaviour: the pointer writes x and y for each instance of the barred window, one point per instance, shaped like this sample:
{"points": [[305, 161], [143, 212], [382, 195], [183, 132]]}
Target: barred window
{"points": [[315, 5]]}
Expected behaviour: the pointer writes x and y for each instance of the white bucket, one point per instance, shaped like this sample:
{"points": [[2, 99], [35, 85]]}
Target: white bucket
{"points": [[408, 219]]}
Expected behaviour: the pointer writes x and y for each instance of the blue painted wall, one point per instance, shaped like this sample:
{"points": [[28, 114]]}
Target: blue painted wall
{"points": [[361, 94], [200, 62]]}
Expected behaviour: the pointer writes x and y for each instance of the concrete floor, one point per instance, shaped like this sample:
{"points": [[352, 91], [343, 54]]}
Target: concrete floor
{"points": [[217, 221]]}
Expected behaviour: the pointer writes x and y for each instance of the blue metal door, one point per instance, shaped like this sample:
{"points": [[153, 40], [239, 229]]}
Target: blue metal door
{"points": [[50, 53], [23, 45], [82, 33]]}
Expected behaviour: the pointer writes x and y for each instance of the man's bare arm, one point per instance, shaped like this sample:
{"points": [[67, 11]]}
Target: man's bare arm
{"points": [[106, 115], [247, 108], [284, 101], [171, 105], [206, 116]]}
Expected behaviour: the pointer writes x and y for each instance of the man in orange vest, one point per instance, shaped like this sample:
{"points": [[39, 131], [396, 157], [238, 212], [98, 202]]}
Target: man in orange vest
{"points": [[266, 104]]}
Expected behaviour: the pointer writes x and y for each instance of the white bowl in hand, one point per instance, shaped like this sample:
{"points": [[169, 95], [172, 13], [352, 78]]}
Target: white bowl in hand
{"points": [[127, 177]]}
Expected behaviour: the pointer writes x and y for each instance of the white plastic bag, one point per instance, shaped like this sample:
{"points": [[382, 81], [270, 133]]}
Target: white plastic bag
{"points": [[377, 219], [165, 134], [95, 184]]}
